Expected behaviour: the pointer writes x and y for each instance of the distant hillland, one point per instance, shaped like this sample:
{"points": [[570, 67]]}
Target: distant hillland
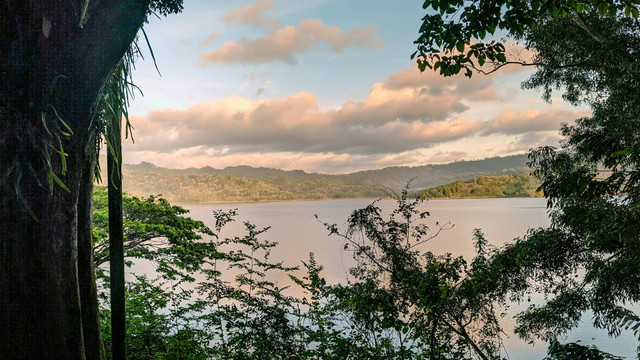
{"points": [[518, 185], [246, 183]]}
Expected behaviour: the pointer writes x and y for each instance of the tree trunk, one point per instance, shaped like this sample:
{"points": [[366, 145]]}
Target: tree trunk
{"points": [[93, 344], [53, 63], [116, 243]]}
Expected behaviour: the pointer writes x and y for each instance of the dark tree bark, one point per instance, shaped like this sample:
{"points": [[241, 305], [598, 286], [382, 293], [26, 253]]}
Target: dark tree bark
{"points": [[93, 344], [54, 59], [116, 244]]}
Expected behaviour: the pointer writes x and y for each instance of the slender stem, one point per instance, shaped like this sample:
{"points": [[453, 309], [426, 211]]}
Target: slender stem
{"points": [[116, 251]]}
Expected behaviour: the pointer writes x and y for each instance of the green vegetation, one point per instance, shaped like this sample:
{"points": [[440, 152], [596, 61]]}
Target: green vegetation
{"points": [[229, 188], [399, 302], [154, 230], [460, 36], [519, 185], [215, 298], [586, 261], [245, 183], [583, 261]]}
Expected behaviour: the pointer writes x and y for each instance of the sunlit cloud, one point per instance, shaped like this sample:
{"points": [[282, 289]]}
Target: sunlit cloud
{"points": [[512, 122], [409, 118], [253, 14], [284, 44], [391, 119], [210, 39], [532, 140]]}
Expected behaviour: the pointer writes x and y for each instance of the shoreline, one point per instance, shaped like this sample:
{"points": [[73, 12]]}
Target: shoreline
{"points": [[354, 198]]}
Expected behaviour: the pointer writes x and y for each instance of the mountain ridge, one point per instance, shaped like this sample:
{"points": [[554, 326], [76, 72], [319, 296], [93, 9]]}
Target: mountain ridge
{"points": [[247, 183]]}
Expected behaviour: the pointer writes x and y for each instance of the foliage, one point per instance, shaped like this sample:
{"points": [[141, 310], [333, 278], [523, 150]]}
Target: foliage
{"points": [[401, 303], [594, 62], [587, 259], [455, 35], [162, 323], [576, 351], [251, 316], [245, 183], [229, 188], [157, 231], [405, 303], [247, 317], [165, 7], [519, 185]]}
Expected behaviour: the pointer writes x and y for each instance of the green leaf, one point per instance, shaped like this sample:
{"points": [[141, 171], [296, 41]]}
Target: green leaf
{"points": [[621, 153], [469, 73], [51, 178], [603, 8], [61, 121]]}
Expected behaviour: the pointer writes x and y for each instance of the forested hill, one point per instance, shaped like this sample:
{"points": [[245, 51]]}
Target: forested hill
{"points": [[428, 176], [245, 183], [229, 188], [518, 185]]}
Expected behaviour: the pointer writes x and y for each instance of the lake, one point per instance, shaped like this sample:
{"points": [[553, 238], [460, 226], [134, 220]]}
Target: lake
{"points": [[294, 226]]}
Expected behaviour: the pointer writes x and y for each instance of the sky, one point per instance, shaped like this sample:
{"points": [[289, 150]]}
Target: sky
{"points": [[323, 86]]}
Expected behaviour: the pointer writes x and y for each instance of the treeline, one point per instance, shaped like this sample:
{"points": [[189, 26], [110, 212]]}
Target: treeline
{"points": [[246, 183], [229, 188], [518, 185]]}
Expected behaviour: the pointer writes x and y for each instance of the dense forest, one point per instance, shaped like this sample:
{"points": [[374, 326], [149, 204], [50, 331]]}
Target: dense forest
{"points": [[229, 188], [519, 185]]}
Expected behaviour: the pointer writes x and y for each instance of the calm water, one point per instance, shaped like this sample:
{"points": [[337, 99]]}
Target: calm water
{"points": [[293, 225]]}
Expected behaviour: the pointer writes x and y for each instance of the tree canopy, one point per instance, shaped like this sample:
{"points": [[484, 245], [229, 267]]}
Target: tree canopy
{"points": [[588, 50], [459, 35]]}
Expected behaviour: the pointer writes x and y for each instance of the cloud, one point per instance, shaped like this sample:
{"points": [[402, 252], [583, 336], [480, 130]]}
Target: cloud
{"points": [[391, 119], [446, 156], [402, 117], [478, 88], [211, 38], [511, 122], [289, 41], [253, 14], [527, 141], [323, 163]]}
